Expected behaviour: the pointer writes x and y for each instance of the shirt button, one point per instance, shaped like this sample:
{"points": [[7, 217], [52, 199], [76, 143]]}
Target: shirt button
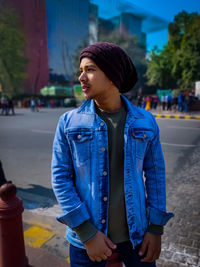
{"points": [[104, 173], [79, 136], [105, 199], [103, 149], [103, 221], [102, 123]]}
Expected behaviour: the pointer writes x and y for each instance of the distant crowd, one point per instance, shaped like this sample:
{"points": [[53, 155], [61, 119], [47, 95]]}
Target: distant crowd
{"points": [[181, 102], [34, 103]]}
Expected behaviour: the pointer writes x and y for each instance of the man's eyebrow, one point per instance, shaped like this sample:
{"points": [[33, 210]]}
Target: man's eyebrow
{"points": [[89, 66]]}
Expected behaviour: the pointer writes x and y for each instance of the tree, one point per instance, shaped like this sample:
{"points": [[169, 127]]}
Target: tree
{"points": [[12, 46], [178, 63], [159, 68]]}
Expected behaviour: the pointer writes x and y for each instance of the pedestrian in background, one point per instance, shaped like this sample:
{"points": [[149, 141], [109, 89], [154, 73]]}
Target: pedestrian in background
{"points": [[164, 101], [155, 101], [148, 102], [180, 102], [4, 105], [139, 102], [100, 151], [169, 102], [11, 106], [33, 104], [186, 101], [144, 102]]}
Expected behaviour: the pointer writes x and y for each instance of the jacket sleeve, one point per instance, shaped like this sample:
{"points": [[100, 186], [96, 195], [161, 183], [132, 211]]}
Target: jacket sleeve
{"points": [[154, 170], [74, 210]]}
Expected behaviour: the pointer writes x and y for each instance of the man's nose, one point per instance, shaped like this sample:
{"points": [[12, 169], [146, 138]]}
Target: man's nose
{"points": [[83, 77]]}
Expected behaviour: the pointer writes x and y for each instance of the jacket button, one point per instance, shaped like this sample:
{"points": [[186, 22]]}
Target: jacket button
{"points": [[145, 135], [79, 136], [102, 123], [105, 199], [103, 149], [103, 221], [105, 173]]}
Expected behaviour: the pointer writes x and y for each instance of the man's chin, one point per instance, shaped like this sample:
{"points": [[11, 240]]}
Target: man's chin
{"points": [[88, 96]]}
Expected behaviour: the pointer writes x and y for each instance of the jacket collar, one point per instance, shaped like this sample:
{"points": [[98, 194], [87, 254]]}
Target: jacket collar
{"points": [[88, 107]]}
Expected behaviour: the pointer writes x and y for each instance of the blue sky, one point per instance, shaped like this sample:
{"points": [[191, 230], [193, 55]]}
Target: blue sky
{"points": [[166, 10]]}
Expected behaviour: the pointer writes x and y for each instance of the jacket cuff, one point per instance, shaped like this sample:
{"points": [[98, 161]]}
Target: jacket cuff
{"points": [[75, 217], [158, 217], [85, 231], [155, 229]]}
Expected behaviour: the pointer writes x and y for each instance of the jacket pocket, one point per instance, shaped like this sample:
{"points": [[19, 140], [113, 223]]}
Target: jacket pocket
{"points": [[141, 138], [80, 144]]}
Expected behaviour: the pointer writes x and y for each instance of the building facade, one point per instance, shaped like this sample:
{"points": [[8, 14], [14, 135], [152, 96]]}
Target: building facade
{"points": [[33, 18]]}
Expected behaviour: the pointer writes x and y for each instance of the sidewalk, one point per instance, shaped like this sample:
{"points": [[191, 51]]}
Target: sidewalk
{"points": [[44, 247], [38, 257]]}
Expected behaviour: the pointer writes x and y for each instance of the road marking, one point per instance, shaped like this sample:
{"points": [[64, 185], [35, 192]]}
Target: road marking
{"points": [[179, 145], [36, 236], [42, 131]]}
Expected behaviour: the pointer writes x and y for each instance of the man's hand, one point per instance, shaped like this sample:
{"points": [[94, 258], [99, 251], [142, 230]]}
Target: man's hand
{"points": [[99, 247], [151, 244]]}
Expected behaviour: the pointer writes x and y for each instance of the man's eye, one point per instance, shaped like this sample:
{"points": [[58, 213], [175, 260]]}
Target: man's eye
{"points": [[90, 69]]}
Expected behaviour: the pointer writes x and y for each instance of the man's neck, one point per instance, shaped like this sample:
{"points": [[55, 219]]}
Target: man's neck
{"points": [[109, 104]]}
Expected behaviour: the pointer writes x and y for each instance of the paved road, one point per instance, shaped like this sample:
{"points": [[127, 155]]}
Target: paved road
{"points": [[25, 150]]}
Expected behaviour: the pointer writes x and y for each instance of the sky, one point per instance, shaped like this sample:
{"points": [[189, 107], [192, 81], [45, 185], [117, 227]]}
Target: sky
{"points": [[164, 9]]}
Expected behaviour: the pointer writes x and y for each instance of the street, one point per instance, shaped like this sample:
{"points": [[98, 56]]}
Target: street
{"points": [[25, 151]]}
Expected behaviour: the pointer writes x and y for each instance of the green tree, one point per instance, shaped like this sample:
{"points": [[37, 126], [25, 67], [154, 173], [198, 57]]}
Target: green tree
{"points": [[159, 69], [178, 63], [12, 46]]}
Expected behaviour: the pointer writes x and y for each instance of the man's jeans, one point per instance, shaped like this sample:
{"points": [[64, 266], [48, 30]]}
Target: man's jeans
{"points": [[130, 257]]}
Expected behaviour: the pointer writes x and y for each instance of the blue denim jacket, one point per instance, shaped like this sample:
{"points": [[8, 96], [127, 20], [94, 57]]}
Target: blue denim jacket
{"points": [[80, 171]]}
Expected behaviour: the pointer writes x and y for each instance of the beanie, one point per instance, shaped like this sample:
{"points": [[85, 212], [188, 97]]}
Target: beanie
{"points": [[114, 62]]}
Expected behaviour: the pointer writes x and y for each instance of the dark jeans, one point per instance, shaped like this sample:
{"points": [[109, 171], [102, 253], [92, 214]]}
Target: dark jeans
{"points": [[129, 256]]}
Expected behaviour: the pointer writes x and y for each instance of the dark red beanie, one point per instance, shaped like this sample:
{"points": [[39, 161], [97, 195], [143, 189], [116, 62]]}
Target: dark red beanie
{"points": [[114, 62]]}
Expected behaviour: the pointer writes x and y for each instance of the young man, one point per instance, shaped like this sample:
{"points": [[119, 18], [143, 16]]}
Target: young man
{"points": [[100, 152]]}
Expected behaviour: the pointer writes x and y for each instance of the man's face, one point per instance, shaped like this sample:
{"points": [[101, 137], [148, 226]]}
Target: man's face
{"points": [[94, 82]]}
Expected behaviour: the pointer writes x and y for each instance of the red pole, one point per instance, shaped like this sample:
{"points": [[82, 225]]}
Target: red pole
{"points": [[12, 249]]}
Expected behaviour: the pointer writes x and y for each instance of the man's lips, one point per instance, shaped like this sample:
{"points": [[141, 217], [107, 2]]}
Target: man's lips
{"points": [[85, 88]]}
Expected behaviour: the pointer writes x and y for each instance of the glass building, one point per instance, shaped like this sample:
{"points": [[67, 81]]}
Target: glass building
{"points": [[67, 27]]}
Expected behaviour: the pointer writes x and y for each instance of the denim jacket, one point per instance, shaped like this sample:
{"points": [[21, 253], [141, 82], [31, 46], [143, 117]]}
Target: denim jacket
{"points": [[80, 171]]}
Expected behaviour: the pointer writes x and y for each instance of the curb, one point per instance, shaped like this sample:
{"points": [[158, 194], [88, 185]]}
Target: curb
{"points": [[187, 117]]}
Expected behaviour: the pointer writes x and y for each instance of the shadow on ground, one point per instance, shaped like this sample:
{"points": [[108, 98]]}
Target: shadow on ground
{"points": [[37, 197]]}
